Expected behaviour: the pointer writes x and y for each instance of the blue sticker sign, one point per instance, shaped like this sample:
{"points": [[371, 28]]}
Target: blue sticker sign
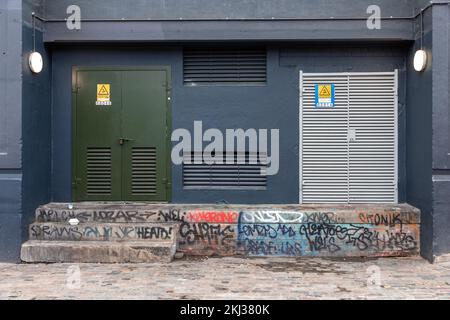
{"points": [[324, 96]]}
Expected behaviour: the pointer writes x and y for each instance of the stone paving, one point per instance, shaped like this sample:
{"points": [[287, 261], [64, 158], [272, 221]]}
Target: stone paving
{"points": [[231, 278]]}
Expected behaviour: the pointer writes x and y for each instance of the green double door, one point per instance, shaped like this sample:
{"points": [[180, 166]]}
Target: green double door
{"points": [[120, 134]]}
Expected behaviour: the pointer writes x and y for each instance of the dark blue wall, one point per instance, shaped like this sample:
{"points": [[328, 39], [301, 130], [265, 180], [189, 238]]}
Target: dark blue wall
{"points": [[36, 131], [10, 129], [419, 146], [441, 129], [281, 23], [272, 106]]}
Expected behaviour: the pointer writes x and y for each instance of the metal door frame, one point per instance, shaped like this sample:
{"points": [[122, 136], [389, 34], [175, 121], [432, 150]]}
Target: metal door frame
{"points": [[165, 68], [396, 124]]}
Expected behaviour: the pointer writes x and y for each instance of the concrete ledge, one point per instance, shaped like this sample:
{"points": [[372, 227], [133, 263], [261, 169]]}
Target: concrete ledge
{"points": [[97, 252], [113, 212], [264, 230], [104, 232]]}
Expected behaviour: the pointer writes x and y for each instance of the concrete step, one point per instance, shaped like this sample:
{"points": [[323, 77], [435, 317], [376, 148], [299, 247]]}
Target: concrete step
{"points": [[97, 252], [113, 212], [361, 230], [155, 232]]}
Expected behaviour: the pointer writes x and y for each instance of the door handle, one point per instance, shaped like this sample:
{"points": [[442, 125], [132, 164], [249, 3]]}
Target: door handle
{"points": [[351, 137], [123, 140]]}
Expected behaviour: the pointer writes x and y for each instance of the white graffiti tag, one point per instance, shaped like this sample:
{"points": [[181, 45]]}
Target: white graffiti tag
{"points": [[272, 217]]}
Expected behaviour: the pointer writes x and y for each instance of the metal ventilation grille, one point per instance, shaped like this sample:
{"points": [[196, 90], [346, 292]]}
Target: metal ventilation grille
{"points": [[373, 156], [143, 171], [99, 171], [349, 152], [250, 174], [224, 66], [324, 143]]}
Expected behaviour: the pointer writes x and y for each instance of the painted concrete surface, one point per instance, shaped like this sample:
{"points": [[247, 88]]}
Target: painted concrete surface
{"points": [[261, 230], [231, 278]]}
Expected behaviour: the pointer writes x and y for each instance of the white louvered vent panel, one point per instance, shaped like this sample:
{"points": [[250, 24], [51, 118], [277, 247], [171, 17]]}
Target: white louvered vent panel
{"points": [[372, 156], [324, 143], [334, 169]]}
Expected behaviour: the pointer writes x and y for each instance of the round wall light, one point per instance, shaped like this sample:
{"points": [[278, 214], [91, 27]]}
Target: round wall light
{"points": [[36, 62], [420, 60]]}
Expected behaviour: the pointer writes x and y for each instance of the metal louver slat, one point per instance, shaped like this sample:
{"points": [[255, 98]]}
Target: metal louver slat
{"points": [[224, 66], [333, 167], [99, 174], [243, 174], [143, 171]]}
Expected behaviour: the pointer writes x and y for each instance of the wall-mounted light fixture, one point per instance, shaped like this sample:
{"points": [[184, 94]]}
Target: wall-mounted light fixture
{"points": [[420, 57], [420, 60], [35, 60]]}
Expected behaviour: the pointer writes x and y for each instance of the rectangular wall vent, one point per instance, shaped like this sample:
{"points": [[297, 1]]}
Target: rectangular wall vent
{"points": [[247, 173], [99, 171], [224, 66], [144, 171]]}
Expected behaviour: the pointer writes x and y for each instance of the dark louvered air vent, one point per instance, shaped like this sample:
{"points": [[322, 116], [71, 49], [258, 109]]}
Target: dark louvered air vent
{"points": [[247, 175], [224, 66], [98, 171], [144, 171]]}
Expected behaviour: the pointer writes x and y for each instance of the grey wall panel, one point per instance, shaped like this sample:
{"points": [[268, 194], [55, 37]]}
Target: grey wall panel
{"points": [[10, 193], [441, 87], [419, 146], [274, 106], [440, 106], [10, 84], [10, 129], [10, 237], [36, 122], [10, 215], [228, 30], [441, 214], [227, 8]]}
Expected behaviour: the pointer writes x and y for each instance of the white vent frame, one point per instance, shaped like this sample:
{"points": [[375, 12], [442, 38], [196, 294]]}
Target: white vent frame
{"points": [[321, 78]]}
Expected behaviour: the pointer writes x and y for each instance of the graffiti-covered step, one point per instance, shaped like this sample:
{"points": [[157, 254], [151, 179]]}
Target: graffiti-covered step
{"points": [[104, 231], [366, 230], [97, 252], [129, 212], [111, 212]]}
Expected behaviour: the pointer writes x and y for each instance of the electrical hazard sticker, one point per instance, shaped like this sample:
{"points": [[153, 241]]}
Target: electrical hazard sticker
{"points": [[324, 96], [103, 95]]}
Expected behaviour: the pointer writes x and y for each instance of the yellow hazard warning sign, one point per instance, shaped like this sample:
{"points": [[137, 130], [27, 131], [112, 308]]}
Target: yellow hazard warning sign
{"points": [[325, 91], [324, 95], [103, 94]]}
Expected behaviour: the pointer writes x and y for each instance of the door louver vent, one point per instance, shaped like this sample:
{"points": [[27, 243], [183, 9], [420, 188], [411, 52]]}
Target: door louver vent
{"points": [[144, 171], [99, 171], [224, 66], [349, 152], [250, 174]]}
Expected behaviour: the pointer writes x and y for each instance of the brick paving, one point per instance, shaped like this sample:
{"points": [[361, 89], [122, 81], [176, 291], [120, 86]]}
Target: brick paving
{"points": [[231, 278]]}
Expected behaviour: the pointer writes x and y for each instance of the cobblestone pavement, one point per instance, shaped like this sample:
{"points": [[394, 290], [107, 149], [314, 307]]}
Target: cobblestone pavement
{"points": [[231, 278]]}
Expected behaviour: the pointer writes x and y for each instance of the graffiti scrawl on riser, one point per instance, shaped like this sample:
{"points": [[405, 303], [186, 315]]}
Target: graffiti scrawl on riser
{"points": [[258, 232]]}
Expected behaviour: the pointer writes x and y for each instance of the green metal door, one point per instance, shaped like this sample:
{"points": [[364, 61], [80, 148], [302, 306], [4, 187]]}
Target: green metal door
{"points": [[120, 129]]}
